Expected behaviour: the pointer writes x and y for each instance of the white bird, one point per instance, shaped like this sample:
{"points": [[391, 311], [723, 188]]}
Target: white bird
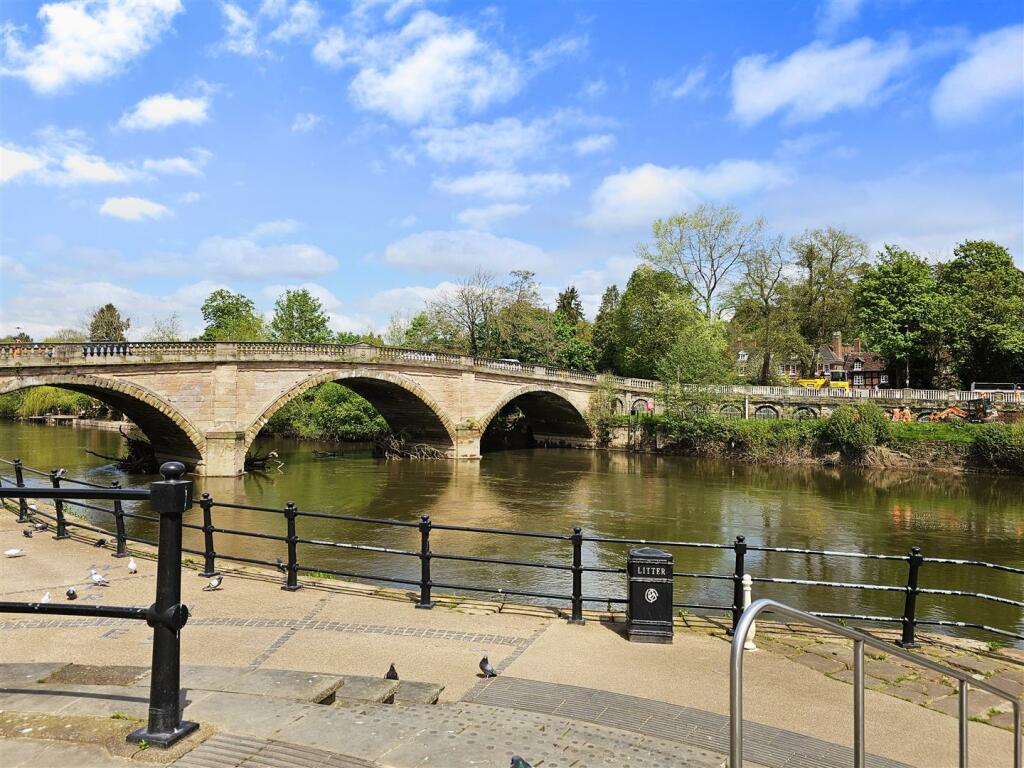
{"points": [[14, 552], [46, 598], [98, 579], [33, 507], [214, 584], [132, 567]]}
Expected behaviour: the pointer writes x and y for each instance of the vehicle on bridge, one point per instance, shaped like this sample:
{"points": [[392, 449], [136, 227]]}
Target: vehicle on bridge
{"points": [[835, 380]]}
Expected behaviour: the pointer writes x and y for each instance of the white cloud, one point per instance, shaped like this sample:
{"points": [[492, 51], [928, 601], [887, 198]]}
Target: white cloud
{"points": [[245, 258], [462, 251], [675, 88], [180, 166], [240, 30], [86, 41], [14, 163], [302, 20], [92, 169], [992, 73], [133, 208], [560, 48], [816, 79], [430, 70], [598, 142], [636, 197], [330, 48], [833, 14], [503, 185], [163, 110], [275, 228], [502, 142], [305, 121], [488, 216], [593, 89]]}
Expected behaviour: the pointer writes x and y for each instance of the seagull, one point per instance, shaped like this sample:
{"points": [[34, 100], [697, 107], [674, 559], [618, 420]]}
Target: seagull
{"points": [[100, 543], [27, 533], [98, 579], [392, 673], [14, 552], [486, 668], [45, 598], [214, 584], [132, 567], [518, 762], [61, 472], [72, 593], [41, 526]]}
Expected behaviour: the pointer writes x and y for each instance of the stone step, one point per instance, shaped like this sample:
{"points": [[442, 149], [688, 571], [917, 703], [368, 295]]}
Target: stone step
{"points": [[412, 692], [372, 689]]}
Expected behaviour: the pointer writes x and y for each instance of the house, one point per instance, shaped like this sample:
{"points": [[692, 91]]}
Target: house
{"points": [[862, 367]]}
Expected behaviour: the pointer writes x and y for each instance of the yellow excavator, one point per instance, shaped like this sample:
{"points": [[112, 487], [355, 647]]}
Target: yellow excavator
{"points": [[835, 380]]}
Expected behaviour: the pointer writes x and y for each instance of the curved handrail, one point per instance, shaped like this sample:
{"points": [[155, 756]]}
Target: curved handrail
{"points": [[860, 639]]}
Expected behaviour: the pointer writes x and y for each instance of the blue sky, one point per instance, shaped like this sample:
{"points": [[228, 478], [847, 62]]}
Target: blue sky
{"points": [[376, 151]]}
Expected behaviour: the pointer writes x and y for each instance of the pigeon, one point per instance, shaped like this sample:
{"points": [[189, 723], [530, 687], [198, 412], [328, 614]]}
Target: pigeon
{"points": [[518, 762], [41, 526], [72, 593], [45, 598], [98, 579], [132, 567], [281, 566], [33, 507], [214, 584], [14, 552], [392, 673], [486, 668], [100, 543], [27, 533]]}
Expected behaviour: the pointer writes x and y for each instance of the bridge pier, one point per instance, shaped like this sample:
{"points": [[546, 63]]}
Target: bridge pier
{"points": [[224, 455], [467, 443]]}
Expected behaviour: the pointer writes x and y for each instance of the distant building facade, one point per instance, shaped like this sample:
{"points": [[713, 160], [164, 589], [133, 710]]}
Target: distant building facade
{"points": [[863, 368]]}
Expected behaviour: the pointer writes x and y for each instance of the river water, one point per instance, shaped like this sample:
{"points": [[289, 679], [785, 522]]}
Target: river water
{"points": [[613, 495]]}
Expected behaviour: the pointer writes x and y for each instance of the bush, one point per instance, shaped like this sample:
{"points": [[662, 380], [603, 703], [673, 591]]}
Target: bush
{"points": [[40, 401], [10, 404], [877, 420], [1000, 445], [847, 432], [328, 412]]}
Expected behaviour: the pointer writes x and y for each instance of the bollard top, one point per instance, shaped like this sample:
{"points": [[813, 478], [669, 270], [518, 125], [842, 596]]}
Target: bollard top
{"points": [[172, 470]]}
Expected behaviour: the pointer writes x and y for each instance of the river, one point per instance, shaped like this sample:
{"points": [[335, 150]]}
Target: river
{"points": [[617, 495]]}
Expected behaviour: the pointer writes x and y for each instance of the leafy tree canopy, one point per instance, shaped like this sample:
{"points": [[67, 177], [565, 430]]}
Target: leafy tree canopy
{"points": [[107, 324], [231, 317], [299, 317]]}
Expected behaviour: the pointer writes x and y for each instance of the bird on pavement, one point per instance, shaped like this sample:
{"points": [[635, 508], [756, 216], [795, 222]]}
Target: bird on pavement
{"points": [[41, 526], [14, 552], [100, 543], [518, 762], [486, 668], [27, 533], [72, 593], [33, 507], [132, 566], [214, 584], [98, 578], [281, 566], [45, 598], [392, 673]]}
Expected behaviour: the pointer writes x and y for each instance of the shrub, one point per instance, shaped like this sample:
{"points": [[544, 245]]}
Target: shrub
{"points": [[875, 418], [39, 401], [10, 404], [846, 432], [328, 412], [1002, 446]]}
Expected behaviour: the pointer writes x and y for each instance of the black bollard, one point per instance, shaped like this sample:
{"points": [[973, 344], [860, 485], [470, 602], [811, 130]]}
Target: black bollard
{"points": [[577, 576], [209, 554], [170, 498], [292, 582], [425, 583], [909, 620], [19, 481], [121, 537], [58, 508], [740, 548]]}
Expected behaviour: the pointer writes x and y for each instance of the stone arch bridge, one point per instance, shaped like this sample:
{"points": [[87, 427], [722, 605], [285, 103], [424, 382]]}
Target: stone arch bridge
{"points": [[205, 402]]}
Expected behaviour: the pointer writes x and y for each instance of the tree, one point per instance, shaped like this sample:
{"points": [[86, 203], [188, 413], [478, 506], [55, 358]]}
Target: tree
{"points": [[569, 305], [986, 330], [828, 262], [107, 324], [18, 338], [299, 317], [469, 308], [67, 336], [760, 312], [699, 355], [604, 329], [653, 309], [165, 329], [900, 311], [231, 317], [575, 349], [702, 248]]}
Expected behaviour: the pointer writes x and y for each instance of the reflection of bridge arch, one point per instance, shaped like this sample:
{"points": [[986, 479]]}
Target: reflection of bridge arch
{"points": [[172, 435], [548, 410], [406, 407]]}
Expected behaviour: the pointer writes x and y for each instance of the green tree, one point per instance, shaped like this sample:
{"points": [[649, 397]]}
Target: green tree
{"points": [[569, 305], [603, 336], [165, 329], [16, 338], [67, 336], [986, 330], [231, 317], [654, 308], [299, 317], [702, 248], [469, 308], [901, 313], [106, 324], [575, 349], [699, 355]]}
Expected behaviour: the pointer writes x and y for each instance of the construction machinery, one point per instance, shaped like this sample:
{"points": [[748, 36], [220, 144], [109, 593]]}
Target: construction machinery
{"points": [[977, 411]]}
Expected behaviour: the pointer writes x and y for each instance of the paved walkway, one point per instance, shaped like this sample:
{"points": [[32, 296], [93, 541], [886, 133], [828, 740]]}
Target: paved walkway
{"points": [[339, 628]]}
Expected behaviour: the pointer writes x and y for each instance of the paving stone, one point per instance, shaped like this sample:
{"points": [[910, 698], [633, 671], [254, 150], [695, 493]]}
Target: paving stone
{"points": [[819, 663], [412, 692], [1002, 720], [843, 653], [973, 664], [978, 702], [871, 683], [372, 689], [1004, 681], [885, 670], [25, 675], [1017, 654]]}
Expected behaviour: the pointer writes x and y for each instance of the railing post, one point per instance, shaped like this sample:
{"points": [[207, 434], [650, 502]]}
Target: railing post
{"points": [[58, 508], [19, 480], [170, 498], [740, 548], [209, 555], [425, 600], [120, 536], [963, 711], [290, 513], [910, 602], [858, 704], [577, 576]]}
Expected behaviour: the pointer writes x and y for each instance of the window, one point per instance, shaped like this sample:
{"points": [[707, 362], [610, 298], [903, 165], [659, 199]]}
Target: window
{"points": [[884, 378], [858, 381], [858, 365], [826, 368]]}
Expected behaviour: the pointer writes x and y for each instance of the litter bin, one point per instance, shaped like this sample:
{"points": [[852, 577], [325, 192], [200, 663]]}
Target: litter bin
{"points": [[650, 596]]}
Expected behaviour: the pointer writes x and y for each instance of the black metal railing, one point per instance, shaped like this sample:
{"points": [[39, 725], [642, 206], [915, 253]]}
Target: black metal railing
{"points": [[169, 498], [296, 549]]}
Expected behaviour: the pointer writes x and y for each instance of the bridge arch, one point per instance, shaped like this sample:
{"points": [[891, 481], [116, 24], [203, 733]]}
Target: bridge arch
{"points": [[550, 413], [405, 405], [172, 435]]}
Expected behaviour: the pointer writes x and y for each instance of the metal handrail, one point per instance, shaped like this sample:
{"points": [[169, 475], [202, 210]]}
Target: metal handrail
{"points": [[860, 639]]}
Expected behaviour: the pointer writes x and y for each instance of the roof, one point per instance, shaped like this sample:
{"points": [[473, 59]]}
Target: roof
{"points": [[870, 361], [827, 356]]}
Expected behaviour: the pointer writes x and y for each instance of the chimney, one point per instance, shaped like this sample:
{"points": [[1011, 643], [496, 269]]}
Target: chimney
{"points": [[856, 346], [837, 344]]}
